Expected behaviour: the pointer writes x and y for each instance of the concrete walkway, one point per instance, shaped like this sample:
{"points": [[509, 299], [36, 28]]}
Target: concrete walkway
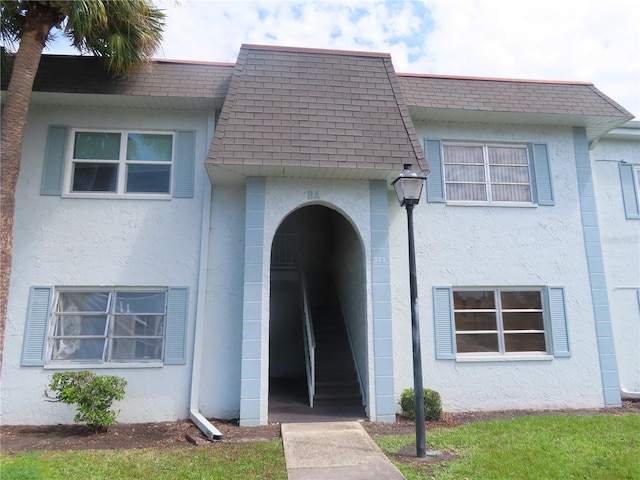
{"points": [[334, 451]]}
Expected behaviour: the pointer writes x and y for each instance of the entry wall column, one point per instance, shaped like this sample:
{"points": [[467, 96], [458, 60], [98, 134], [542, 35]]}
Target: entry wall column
{"points": [[381, 300], [250, 391]]}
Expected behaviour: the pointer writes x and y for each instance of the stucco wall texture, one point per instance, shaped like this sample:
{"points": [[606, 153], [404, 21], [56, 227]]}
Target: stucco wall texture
{"points": [[156, 242], [497, 246], [100, 242], [621, 251]]}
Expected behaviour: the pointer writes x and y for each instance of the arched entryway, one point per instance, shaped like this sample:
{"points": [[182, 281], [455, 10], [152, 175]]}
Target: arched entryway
{"points": [[317, 318]]}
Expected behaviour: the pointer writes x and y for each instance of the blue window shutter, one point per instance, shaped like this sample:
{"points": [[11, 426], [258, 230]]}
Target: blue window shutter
{"points": [[175, 347], [542, 181], [444, 327], [558, 322], [184, 165], [35, 332], [435, 177], [54, 156], [629, 192]]}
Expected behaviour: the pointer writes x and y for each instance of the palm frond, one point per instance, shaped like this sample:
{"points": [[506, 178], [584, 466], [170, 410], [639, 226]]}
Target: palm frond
{"points": [[12, 20], [123, 32]]}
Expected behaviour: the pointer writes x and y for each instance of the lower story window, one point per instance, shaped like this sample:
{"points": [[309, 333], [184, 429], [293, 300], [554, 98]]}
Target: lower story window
{"points": [[108, 326], [499, 321]]}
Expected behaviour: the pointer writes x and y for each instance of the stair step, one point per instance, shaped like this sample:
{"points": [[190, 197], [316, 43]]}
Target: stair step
{"points": [[335, 395], [336, 377]]}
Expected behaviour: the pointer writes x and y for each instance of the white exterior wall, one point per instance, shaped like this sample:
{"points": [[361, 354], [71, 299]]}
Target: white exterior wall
{"points": [[95, 242], [117, 242], [621, 251], [221, 368], [222, 352], [499, 246]]}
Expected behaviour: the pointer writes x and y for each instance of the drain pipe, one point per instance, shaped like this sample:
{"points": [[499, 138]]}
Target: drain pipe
{"points": [[196, 367], [630, 395]]}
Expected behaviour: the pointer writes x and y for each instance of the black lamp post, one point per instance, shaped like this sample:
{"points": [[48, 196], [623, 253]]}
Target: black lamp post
{"points": [[408, 187]]}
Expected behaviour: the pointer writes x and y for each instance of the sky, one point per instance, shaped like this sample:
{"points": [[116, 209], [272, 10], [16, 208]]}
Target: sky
{"points": [[582, 40]]}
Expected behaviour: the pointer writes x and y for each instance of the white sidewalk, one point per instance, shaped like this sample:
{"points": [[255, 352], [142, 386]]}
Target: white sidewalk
{"points": [[334, 451]]}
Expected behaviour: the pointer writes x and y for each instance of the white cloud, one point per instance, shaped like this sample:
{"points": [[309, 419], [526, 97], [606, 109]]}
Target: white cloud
{"points": [[591, 40]]}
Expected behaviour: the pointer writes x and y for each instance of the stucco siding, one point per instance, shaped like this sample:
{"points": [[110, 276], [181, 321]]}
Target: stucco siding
{"points": [[220, 380], [101, 242], [468, 246], [621, 252]]}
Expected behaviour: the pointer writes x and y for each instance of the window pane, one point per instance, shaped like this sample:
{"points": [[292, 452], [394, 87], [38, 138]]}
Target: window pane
{"points": [[521, 300], [462, 154], [95, 177], [149, 147], [97, 146], [139, 325], [74, 325], [140, 302], [136, 349], [475, 321], [501, 174], [524, 342], [507, 155], [464, 173], [483, 342], [474, 300], [83, 301], [522, 321], [78, 349], [511, 193], [148, 178], [466, 191]]}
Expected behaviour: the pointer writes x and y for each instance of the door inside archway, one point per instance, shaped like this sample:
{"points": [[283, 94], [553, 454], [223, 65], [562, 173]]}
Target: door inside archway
{"points": [[317, 319]]}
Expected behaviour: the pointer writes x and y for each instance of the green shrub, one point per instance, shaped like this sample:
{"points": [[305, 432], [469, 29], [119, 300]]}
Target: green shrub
{"points": [[94, 395], [432, 404]]}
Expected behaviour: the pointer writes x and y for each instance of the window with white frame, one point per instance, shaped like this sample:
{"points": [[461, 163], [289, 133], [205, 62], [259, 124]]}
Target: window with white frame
{"points": [[499, 321], [487, 173], [120, 162], [103, 325]]}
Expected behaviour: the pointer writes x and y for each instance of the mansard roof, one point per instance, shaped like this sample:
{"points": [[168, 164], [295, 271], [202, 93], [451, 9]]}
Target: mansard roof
{"points": [[82, 81], [494, 100], [320, 113], [314, 113]]}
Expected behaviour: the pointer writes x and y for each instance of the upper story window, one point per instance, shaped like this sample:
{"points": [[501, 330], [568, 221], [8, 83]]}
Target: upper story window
{"points": [[116, 163], [108, 326], [487, 173], [495, 174], [120, 163], [630, 186]]}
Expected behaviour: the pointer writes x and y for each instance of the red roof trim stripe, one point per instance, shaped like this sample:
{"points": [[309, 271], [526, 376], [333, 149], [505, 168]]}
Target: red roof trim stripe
{"points": [[351, 53], [492, 79]]}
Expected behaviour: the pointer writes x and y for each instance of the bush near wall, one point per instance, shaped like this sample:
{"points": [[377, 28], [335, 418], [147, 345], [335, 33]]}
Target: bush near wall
{"points": [[432, 404], [93, 394]]}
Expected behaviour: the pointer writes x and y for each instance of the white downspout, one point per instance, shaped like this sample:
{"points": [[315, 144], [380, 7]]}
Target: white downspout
{"points": [[629, 394], [194, 412]]}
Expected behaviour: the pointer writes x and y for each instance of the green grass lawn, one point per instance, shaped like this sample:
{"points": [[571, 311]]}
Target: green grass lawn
{"points": [[263, 460], [545, 447]]}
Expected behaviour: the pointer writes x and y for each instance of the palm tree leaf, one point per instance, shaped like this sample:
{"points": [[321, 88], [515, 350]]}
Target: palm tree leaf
{"points": [[124, 32]]}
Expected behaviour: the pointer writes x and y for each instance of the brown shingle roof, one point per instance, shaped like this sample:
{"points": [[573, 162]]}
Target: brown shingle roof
{"points": [[314, 108], [503, 95], [159, 78]]}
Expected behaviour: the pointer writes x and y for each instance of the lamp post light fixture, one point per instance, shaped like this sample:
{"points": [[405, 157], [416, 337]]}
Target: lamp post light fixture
{"points": [[408, 186]]}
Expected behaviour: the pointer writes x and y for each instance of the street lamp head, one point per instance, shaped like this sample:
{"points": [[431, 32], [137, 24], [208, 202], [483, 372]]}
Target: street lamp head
{"points": [[408, 186]]}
